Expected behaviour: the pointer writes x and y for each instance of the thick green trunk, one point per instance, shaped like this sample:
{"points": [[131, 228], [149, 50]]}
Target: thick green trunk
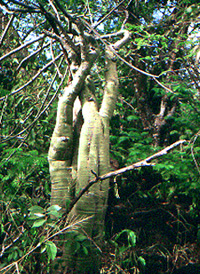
{"points": [[93, 160]]}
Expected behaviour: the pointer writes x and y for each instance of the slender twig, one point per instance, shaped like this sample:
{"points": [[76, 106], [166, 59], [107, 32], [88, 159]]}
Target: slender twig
{"points": [[163, 86], [192, 151], [53, 57], [124, 101], [35, 120], [13, 241], [54, 8], [67, 227], [6, 29], [31, 55], [34, 77], [17, 268], [40, 112], [22, 47], [107, 15], [3, 108]]}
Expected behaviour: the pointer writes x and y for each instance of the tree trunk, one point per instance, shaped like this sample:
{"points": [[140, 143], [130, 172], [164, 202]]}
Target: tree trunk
{"points": [[93, 160]]}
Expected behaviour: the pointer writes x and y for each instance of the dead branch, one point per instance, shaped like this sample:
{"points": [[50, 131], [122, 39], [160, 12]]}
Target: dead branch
{"points": [[54, 8], [40, 111], [34, 77], [22, 47], [145, 162], [31, 55], [192, 151], [7, 28], [107, 15]]}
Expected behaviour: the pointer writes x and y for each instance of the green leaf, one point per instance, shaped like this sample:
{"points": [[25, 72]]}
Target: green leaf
{"points": [[35, 216], [51, 250], [39, 223], [85, 250], [188, 10], [54, 208], [81, 238], [132, 117], [122, 139], [36, 209], [130, 234], [132, 237], [142, 261]]}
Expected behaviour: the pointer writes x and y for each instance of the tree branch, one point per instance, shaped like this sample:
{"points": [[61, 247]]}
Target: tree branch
{"points": [[7, 28], [9, 10], [115, 52], [31, 55], [34, 77], [69, 17], [21, 47], [107, 15], [145, 162], [40, 111], [22, 4]]}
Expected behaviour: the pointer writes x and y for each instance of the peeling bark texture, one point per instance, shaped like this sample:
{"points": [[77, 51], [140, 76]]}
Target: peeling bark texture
{"points": [[76, 160]]}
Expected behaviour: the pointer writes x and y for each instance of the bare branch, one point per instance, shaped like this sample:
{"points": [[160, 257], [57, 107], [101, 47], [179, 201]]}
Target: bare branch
{"points": [[115, 52], [192, 151], [7, 28], [40, 111], [122, 41], [53, 57], [31, 55], [4, 7], [54, 8], [20, 3], [145, 162], [22, 47], [107, 15], [33, 78], [163, 86], [66, 45]]}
